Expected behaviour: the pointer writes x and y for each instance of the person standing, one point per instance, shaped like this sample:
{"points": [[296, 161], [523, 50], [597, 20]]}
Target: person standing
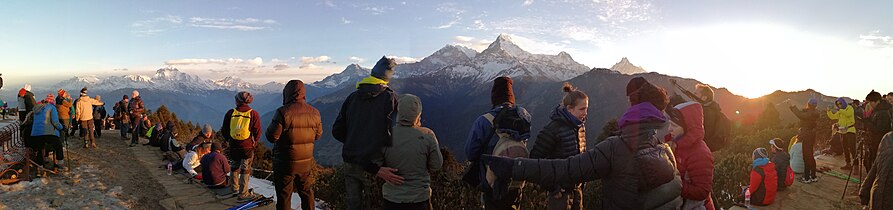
{"points": [[714, 131], [878, 123], [136, 109], [846, 129], [45, 130], [563, 137], [295, 127], [63, 105], [99, 114], [876, 192], [242, 129], [693, 157], [806, 134], [85, 117], [122, 116], [26, 102], [414, 154], [364, 125]]}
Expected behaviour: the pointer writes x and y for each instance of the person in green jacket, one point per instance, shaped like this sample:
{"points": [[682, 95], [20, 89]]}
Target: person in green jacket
{"points": [[846, 129], [415, 152]]}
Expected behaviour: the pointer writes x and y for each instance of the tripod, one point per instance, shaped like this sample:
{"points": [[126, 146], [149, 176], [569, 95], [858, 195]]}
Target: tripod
{"points": [[857, 160]]}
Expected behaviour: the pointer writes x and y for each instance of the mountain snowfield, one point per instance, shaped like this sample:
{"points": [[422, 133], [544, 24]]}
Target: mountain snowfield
{"points": [[165, 79]]}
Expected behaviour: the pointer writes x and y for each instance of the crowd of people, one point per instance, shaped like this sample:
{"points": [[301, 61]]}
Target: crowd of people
{"points": [[661, 157]]}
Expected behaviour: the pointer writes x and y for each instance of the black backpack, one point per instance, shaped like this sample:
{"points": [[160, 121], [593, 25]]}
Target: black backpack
{"points": [[722, 134], [509, 119]]}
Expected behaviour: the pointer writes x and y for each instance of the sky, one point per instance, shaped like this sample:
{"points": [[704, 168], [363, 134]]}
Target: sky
{"points": [[752, 47]]}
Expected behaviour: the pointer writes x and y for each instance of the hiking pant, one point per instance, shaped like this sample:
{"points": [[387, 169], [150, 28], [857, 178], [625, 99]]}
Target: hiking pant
{"points": [[37, 145], [848, 141], [424, 205], [287, 182], [66, 124], [241, 174], [87, 126], [355, 183], [512, 200], [568, 199], [53, 144], [136, 125], [123, 127], [872, 144], [807, 136], [22, 115], [97, 124]]}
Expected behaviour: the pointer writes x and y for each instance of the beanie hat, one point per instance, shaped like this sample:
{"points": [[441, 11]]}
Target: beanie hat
{"points": [[384, 68], [244, 98], [760, 153], [843, 103], [84, 91], [776, 142], [634, 84], [207, 129], [50, 99], [125, 97], [216, 146], [22, 92], [502, 91]]}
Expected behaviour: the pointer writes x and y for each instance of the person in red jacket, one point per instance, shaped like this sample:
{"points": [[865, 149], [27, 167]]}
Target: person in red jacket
{"points": [[763, 179], [693, 158]]}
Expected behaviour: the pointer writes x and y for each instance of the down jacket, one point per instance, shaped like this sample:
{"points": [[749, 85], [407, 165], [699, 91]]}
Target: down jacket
{"points": [[560, 139], [694, 159], [636, 169], [295, 127], [877, 190]]}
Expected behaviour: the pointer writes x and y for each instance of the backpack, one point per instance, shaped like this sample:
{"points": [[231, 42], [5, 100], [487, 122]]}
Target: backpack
{"points": [[239, 125], [722, 134], [511, 128]]}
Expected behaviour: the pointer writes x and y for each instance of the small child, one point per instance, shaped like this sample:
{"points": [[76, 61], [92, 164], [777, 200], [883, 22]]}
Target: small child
{"points": [[782, 161], [763, 179]]}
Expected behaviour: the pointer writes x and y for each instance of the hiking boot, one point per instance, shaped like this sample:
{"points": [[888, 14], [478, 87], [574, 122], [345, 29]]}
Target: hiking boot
{"points": [[248, 197], [846, 167], [814, 180], [132, 145], [805, 180]]}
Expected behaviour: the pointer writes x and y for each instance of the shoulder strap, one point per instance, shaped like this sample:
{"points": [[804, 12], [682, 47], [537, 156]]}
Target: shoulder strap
{"points": [[486, 142]]}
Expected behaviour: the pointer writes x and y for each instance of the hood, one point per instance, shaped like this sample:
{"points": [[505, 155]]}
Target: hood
{"points": [[760, 162], [293, 92], [842, 101], [409, 110], [562, 114], [27, 87], [170, 127], [693, 115], [641, 113], [640, 124], [369, 91]]}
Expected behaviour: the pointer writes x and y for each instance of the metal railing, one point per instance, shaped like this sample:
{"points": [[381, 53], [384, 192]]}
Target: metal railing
{"points": [[14, 154]]}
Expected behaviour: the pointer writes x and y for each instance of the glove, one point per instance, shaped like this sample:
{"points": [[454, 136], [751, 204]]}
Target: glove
{"points": [[500, 166]]}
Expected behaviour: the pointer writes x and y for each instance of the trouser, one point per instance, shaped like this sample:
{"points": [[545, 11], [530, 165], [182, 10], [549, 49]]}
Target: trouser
{"points": [[22, 115], [66, 124], [54, 144], [36, 144], [872, 145], [424, 205], [74, 128], [123, 128], [512, 200], [848, 140], [97, 124], [241, 175], [136, 125], [807, 136], [566, 199], [87, 126], [286, 183], [355, 183]]}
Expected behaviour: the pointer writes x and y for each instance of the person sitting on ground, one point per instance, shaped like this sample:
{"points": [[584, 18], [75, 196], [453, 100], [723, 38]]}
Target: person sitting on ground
{"points": [[763, 179], [877, 189], [171, 148], [154, 134], [215, 168], [782, 161], [193, 159], [206, 136]]}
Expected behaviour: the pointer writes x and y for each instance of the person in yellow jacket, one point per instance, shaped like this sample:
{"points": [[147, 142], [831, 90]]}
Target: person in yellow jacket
{"points": [[846, 129], [84, 116]]}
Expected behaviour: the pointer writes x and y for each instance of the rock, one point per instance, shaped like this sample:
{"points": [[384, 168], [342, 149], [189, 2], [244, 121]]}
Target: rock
{"points": [[56, 202], [59, 192]]}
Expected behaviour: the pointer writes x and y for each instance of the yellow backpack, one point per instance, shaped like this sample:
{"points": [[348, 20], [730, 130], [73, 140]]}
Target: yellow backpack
{"points": [[239, 124]]}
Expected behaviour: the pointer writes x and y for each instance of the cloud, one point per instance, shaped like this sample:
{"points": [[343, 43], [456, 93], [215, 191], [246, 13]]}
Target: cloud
{"points": [[402, 60], [217, 71], [875, 39], [537, 46], [121, 69], [377, 10], [453, 10], [356, 60], [471, 42], [306, 66], [244, 24], [527, 3], [318, 59], [463, 38], [228, 61], [155, 25], [280, 67], [449, 24], [345, 21]]}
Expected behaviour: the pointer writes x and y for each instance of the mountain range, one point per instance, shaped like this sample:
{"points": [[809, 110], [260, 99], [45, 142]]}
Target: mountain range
{"points": [[453, 82]]}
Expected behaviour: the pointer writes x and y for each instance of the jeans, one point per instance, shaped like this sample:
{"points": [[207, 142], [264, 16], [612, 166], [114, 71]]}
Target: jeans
{"points": [[97, 125], [286, 183], [136, 124], [123, 127], [355, 183]]}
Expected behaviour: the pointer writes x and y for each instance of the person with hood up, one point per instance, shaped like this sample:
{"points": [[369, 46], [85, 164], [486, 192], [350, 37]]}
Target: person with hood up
{"points": [[877, 189], [295, 127], [26, 102], [846, 129], [693, 158], [782, 161], [763, 179], [136, 107], [637, 170], [414, 154], [364, 125], [878, 122], [122, 116], [99, 115], [84, 115], [206, 136], [482, 139], [563, 137], [808, 117], [242, 129], [45, 127]]}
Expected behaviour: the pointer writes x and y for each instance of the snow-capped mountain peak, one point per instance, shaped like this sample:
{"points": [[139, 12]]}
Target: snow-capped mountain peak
{"points": [[232, 81], [504, 44], [625, 67], [352, 73]]}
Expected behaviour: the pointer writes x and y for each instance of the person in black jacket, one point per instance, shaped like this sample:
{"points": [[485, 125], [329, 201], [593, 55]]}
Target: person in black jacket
{"points": [[364, 126], [878, 123], [806, 134], [563, 137], [99, 115]]}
